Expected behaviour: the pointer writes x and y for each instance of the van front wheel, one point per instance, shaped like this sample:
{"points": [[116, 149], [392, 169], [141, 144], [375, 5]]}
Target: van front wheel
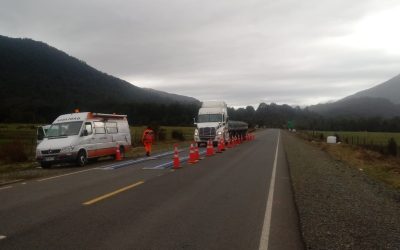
{"points": [[81, 159]]}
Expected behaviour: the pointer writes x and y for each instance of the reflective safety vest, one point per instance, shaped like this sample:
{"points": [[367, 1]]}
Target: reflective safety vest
{"points": [[148, 135]]}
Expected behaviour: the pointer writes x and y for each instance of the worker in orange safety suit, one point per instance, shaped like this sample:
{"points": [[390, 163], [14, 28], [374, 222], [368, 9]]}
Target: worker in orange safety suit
{"points": [[147, 139]]}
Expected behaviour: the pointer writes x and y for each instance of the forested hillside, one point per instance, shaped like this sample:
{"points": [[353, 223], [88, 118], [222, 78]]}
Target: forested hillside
{"points": [[39, 82]]}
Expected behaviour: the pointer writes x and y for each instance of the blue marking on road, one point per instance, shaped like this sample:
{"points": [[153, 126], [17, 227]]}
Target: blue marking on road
{"points": [[171, 163], [130, 162]]}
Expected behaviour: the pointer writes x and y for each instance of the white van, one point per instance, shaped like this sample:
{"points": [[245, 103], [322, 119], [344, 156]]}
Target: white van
{"points": [[78, 137]]}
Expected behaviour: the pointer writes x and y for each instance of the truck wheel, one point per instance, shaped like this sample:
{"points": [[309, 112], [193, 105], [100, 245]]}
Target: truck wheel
{"points": [[81, 159], [45, 164]]}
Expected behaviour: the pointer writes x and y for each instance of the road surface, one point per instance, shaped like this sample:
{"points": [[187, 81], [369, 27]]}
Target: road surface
{"points": [[240, 199]]}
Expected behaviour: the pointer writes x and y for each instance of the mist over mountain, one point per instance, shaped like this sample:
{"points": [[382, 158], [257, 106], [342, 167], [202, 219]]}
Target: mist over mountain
{"points": [[389, 90], [382, 100], [37, 79]]}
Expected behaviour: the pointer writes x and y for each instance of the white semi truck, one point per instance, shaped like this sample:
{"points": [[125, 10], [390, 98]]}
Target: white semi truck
{"points": [[213, 124]]}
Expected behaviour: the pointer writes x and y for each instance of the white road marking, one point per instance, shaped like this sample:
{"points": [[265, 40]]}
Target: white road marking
{"points": [[58, 176], [2, 237], [7, 187], [267, 218]]}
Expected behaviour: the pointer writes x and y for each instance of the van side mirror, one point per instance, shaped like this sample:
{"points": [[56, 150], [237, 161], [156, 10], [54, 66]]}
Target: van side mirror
{"points": [[194, 121], [40, 137]]}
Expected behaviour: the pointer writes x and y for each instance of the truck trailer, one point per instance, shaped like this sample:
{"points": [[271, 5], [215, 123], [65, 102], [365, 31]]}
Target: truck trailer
{"points": [[213, 123]]}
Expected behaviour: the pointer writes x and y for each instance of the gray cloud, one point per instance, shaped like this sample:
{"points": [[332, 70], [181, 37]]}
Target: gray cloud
{"points": [[243, 52]]}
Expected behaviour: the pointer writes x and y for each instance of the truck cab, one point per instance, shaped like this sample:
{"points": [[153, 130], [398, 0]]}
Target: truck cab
{"points": [[212, 123]]}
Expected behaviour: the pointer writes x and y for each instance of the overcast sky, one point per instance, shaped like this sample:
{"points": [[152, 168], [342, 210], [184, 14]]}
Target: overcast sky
{"points": [[298, 52]]}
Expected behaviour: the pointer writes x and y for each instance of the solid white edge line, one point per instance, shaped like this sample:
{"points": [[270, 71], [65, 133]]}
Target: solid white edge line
{"points": [[2, 237], [267, 218]]}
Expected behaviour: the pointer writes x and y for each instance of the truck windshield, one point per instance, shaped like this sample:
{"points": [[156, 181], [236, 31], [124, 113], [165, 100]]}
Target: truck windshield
{"points": [[64, 129], [210, 118]]}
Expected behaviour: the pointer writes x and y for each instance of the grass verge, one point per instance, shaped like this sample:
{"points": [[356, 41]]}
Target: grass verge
{"points": [[376, 165]]}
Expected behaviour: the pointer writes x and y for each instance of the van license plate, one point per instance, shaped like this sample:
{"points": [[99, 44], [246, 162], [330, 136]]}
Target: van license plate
{"points": [[49, 159]]}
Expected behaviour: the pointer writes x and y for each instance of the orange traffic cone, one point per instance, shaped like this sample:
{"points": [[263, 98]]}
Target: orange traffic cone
{"points": [[210, 148], [196, 152], [230, 143], [118, 154], [177, 164], [192, 155], [219, 148], [222, 144]]}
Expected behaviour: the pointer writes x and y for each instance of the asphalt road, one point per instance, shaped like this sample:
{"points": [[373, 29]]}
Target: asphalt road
{"points": [[233, 200]]}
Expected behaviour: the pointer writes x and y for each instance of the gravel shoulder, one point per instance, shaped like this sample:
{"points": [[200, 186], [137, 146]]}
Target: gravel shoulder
{"points": [[339, 206]]}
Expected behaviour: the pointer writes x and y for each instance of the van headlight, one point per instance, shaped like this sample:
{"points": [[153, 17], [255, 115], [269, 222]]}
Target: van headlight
{"points": [[67, 149], [219, 132], [196, 132]]}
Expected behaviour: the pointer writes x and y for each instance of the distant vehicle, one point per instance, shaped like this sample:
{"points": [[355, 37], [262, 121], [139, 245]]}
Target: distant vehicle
{"points": [[41, 133], [78, 137], [213, 124]]}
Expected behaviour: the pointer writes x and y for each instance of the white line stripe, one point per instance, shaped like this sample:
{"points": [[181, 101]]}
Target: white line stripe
{"points": [[2, 237], [7, 187], [58, 176], [267, 218]]}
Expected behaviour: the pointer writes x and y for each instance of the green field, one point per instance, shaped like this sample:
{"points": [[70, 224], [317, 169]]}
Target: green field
{"points": [[359, 138]]}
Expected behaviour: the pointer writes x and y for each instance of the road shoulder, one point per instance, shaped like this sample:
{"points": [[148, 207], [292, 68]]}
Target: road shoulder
{"points": [[339, 206]]}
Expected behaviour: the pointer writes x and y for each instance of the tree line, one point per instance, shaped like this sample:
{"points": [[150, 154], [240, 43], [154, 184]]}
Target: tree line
{"points": [[277, 116], [180, 114]]}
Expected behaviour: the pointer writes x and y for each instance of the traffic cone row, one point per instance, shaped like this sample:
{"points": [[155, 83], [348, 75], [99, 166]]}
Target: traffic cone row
{"points": [[194, 155]]}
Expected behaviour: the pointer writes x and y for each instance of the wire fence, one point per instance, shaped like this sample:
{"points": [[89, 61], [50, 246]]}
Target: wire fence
{"points": [[383, 144]]}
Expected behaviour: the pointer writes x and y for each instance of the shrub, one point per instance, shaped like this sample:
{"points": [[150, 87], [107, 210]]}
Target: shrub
{"points": [[13, 151], [162, 134], [177, 135], [392, 147]]}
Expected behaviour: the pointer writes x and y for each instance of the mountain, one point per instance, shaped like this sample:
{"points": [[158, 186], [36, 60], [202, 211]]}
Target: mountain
{"points": [[358, 107], [177, 98], [36, 78], [382, 100], [389, 90]]}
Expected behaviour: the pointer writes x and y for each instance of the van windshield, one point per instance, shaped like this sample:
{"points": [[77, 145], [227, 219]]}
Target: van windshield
{"points": [[64, 129], [210, 118]]}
